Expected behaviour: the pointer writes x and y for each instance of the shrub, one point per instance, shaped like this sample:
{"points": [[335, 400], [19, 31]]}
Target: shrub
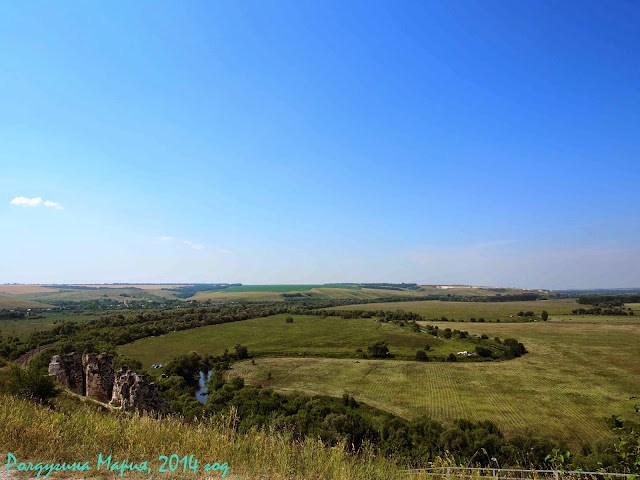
{"points": [[132, 363], [421, 356], [483, 351], [378, 349], [241, 351], [32, 384], [289, 319], [451, 358]]}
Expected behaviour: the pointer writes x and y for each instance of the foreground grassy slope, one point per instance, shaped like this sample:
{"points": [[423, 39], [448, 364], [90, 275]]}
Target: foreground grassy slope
{"points": [[575, 376], [309, 335], [73, 432]]}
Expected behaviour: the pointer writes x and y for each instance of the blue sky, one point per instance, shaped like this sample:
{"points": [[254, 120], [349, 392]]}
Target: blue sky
{"points": [[490, 143]]}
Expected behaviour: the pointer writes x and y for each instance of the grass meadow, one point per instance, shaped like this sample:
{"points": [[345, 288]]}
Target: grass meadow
{"points": [[490, 311], [320, 292], [43, 321], [10, 302], [574, 377], [284, 288], [309, 335]]}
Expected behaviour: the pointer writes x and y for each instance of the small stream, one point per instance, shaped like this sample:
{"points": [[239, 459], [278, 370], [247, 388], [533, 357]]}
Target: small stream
{"points": [[203, 392]]}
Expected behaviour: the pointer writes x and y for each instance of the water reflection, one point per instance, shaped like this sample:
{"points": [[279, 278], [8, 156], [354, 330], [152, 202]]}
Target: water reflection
{"points": [[203, 392]]}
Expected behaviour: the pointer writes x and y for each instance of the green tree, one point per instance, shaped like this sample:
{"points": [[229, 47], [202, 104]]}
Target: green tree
{"points": [[32, 384], [241, 351], [379, 349]]}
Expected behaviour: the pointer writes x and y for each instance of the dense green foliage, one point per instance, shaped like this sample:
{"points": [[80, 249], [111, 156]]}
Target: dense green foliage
{"points": [[604, 310], [613, 300], [30, 383]]}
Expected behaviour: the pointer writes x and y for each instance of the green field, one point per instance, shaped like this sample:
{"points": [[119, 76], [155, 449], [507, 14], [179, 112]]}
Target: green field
{"points": [[579, 371], [309, 335], [282, 288], [315, 293], [10, 302], [490, 311], [574, 377], [37, 296], [42, 321], [115, 294]]}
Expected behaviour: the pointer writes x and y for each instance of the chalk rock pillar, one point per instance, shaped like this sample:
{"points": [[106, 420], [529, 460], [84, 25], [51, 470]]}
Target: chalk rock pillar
{"points": [[133, 391], [68, 371], [98, 370]]}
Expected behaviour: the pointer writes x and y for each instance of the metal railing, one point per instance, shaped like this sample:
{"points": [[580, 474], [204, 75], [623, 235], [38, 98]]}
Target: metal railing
{"points": [[489, 473]]}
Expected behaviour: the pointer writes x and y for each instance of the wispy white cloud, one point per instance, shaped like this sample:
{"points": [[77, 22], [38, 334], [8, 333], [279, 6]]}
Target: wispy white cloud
{"points": [[195, 246], [52, 204], [165, 238], [35, 202], [26, 202]]}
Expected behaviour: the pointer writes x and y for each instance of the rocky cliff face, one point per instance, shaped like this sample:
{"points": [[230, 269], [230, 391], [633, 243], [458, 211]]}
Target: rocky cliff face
{"points": [[93, 376], [68, 371], [132, 391], [98, 371]]}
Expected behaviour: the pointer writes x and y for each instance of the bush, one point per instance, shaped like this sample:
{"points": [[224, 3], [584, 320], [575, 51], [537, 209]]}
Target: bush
{"points": [[451, 358], [241, 351], [32, 384], [378, 349], [132, 363], [483, 351], [289, 319], [421, 356]]}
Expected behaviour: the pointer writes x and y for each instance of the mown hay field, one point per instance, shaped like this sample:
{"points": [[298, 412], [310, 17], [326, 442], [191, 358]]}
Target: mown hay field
{"points": [[576, 375]]}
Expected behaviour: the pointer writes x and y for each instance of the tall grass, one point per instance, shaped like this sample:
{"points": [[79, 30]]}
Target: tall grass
{"points": [[71, 432]]}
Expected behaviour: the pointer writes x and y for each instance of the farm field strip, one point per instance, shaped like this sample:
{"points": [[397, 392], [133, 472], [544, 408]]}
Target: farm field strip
{"points": [[466, 310]]}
